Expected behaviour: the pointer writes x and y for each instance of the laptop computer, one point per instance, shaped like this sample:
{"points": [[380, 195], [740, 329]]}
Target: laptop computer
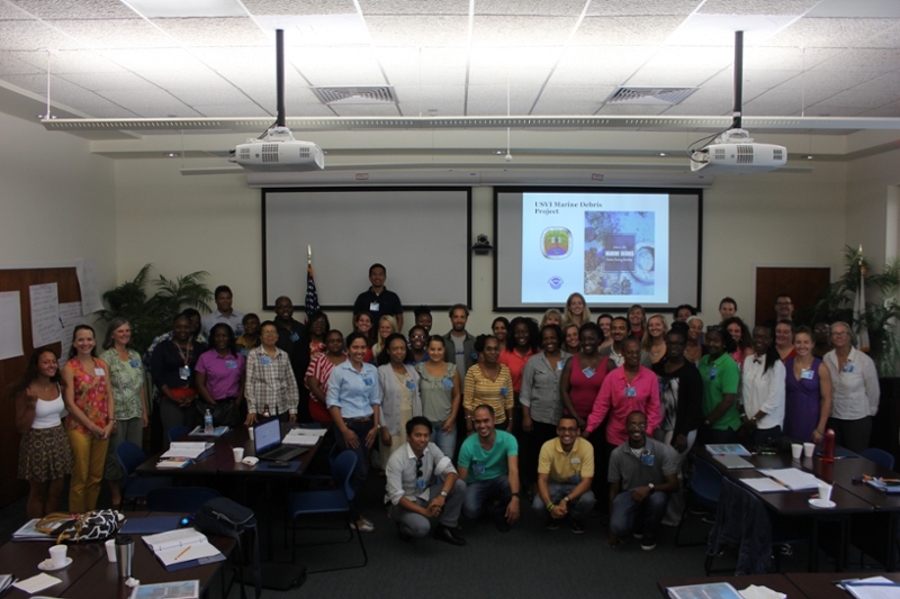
{"points": [[267, 442]]}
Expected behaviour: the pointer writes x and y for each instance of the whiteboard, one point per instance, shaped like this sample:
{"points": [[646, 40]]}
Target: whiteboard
{"points": [[421, 235]]}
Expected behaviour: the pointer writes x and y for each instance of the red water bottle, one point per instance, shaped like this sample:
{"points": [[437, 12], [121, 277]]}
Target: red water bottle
{"points": [[828, 447]]}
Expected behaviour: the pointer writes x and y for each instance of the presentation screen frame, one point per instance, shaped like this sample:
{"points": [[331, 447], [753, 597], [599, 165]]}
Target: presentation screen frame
{"points": [[426, 231], [501, 244]]}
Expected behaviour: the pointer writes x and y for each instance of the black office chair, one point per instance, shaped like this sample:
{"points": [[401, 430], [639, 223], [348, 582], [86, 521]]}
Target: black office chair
{"points": [[704, 490], [187, 500], [135, 488], [331, 501]]}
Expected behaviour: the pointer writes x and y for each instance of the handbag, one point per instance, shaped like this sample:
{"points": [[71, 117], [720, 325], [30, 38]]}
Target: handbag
{"points": [[224, 412], [225, 517], [76, 528]]}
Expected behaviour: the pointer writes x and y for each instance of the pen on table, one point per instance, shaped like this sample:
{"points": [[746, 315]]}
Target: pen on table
{"points": [[183, 551]]}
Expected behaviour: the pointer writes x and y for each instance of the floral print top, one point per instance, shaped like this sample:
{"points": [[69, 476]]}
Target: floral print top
{"points": [[90, 394]]}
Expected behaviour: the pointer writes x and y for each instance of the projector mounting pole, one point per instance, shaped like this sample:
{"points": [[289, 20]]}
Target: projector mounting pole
{"points": [[738, 78], [279, 80]]}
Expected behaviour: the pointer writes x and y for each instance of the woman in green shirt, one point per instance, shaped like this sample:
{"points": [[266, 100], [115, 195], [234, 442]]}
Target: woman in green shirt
{"points": [[721, 377]]}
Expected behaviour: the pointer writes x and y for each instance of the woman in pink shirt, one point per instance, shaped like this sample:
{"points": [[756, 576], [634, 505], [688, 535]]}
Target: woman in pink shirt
{"points": [[219, 377]]}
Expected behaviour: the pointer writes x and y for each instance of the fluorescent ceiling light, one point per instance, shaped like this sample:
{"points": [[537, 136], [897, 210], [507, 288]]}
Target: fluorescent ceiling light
{"points": [[319, 30], [718, 30], [187, 8]]}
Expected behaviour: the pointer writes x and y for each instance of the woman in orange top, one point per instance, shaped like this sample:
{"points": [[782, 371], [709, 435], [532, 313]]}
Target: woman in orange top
{"points": [[89, 400]]}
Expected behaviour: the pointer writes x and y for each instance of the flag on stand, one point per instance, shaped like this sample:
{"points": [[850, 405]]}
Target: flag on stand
{"points": [[859, 310], [312, 297]]}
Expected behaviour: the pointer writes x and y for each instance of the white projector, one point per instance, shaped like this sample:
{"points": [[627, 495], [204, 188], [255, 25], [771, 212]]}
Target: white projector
{"points": [[735, 152], [279, 151]]}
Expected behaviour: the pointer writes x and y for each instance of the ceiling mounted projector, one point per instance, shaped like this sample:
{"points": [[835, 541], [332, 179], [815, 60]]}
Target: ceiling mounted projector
{"points": [[277, 150], [735, 152]]}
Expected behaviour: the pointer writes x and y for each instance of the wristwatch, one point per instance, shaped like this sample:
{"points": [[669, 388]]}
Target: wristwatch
{"points": [[651, 486], [566, 499], [444, 494]]}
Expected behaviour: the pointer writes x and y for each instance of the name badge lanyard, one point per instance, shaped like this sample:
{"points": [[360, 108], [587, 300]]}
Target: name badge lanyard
{"points": [[185, 372]]}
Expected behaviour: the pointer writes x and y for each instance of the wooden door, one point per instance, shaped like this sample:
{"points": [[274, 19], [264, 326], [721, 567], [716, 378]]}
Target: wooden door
{"points": [[803, 284]]}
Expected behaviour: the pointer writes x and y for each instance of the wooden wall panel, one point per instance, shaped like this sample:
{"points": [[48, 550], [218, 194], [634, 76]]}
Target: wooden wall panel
{"points": [[11, 370], [804, 285]]}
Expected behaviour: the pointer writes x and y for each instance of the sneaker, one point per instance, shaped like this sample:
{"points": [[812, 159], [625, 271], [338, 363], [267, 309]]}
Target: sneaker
{"points": [[576, 526], [364, 526], [637, 535], [502, 524], [552, 524], [648, 544]]}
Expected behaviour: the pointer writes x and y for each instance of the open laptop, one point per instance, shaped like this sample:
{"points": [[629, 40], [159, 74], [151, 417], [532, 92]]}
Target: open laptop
{"points": [[268, 445]]}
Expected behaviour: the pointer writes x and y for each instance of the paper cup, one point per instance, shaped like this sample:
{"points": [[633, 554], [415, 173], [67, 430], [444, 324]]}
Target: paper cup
{"points": [[809, 449], [238, 454], [796, 450], [825, 492], [111, 550], [250, 431], [58, 555]]}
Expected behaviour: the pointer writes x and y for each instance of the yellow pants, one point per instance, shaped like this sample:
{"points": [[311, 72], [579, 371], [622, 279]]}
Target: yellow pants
{"points": [[89, 455]]}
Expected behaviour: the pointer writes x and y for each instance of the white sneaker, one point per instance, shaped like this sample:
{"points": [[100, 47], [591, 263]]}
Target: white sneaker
{"points": [[365, 526]]}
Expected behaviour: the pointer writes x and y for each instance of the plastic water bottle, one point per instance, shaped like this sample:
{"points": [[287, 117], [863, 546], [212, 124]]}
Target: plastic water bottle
{"points": [[828, 447], [208, 423]]}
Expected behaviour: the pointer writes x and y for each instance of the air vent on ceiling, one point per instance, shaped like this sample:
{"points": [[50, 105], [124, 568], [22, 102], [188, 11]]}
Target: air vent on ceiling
{"points": [[649, 95], [355, 94]]}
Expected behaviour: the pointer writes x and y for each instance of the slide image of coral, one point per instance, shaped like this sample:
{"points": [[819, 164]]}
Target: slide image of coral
{"points": [[619, 252]]}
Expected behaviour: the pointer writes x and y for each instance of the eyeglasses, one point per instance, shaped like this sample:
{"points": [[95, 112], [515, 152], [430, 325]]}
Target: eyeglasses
{"points": [[840, 334], [713, 327], [419, 468], [642, 425], [566, 429], [417, 336]]}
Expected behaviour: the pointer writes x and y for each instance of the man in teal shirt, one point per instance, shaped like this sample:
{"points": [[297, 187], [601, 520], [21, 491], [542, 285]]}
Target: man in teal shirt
{"points": [[721, 377], [489, 463]]}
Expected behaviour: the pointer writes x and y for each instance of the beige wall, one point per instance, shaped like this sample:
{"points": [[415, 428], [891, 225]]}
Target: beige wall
{"points": [[57, 200], [872, 199], [187, 223]]}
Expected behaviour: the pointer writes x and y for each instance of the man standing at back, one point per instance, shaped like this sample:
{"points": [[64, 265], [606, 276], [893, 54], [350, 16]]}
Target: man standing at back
{"points": [[784, 310], [460, 345], [224, 313], [293, 338], [618, 330], [378, 300]]}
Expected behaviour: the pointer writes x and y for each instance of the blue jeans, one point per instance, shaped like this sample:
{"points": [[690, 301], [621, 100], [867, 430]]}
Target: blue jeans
{"points": [[630, 516], [446, 442], [358, 478], [579, 509], [482, 496]]}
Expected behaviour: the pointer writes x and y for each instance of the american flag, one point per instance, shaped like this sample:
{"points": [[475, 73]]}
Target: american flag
{"points": [[312, 297]]}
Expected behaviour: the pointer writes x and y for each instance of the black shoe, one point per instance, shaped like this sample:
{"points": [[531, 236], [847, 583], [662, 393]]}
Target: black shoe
{"points": [[405, 537], [502, 524], [577, 527], [442, 533], [552, 524]]}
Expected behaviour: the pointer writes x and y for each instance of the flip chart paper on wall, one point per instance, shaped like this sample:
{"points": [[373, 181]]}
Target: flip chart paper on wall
{"points": [[87, 282], [10, 325], [45, 325], [70, 317]]}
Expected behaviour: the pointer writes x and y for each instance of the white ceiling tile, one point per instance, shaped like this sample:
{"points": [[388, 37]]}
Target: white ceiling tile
{"points": [[669, 77], [676, 8], [785, 57], [704, 102], [35, 36], [491, 99], [153, 59], [293, 7], [496, 65], [879, 60], [337, 66], [868, 95], [414, 31], [215, 32], [233, 109], [82, 9], [427, 100], [86, 101], [149, 102], [599, 64], [72, 61], [858, 8], [624, 109], [195, 8], [123, 81], [35, 83], [120, 33], [831, 33], [366, 110], [537, 8], [756, 7], [625, 31], [20, 63], [408, 7], [196, 81], [888, 110], [423, 66], [521, 31], [571, 99], [704, 61]]}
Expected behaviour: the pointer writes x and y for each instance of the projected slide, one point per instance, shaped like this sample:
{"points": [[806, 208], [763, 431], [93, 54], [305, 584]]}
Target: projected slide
{"points": [[613, 249]]}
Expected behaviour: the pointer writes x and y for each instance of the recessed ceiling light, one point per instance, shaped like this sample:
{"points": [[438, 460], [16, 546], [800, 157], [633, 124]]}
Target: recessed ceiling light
{"points": [[498, 152], [809, 156], [663, 153], [171, 154]]}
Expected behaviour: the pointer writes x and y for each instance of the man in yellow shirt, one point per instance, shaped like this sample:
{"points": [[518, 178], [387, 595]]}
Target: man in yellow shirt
{"points": [[565, 472]]}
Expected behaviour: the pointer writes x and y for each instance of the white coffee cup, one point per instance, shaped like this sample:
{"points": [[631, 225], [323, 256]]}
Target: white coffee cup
{"points": [[796, 450], [825, 492], [238, 454], [250, 432], [809, 449], [58, 555], [111, 550]]}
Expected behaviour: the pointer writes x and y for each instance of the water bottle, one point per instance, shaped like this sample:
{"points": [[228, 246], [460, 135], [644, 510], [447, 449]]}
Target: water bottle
{"points": [[208, 428], [828, 447]]}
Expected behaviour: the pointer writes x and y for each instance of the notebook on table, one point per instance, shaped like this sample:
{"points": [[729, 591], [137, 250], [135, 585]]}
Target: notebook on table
{"points": [[267, 442]]}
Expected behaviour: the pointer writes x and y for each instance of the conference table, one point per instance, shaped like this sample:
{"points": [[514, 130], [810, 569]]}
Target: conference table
{"points": [[796, 585], [92, 576], [855, 502]]}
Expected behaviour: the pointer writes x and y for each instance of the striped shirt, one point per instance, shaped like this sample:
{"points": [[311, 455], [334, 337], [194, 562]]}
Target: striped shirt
{"points": [[498, 393]]}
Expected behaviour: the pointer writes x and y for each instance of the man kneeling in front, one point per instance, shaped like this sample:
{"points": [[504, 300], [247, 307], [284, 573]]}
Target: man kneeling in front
{"points": [[423, 486], [565, 473], [646, 470]]}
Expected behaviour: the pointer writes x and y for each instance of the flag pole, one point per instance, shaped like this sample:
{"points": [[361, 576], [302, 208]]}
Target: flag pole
{"points": [[309, 255]]}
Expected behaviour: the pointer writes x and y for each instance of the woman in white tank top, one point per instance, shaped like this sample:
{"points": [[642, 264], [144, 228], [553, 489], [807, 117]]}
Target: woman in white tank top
{"points": [[45, 457]]}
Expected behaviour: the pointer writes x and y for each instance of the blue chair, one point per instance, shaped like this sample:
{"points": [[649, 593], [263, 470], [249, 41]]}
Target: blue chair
{"points": [[332, 501], [134, 488], [880, 457], [177, 432], [705, 488], [186, 500]]}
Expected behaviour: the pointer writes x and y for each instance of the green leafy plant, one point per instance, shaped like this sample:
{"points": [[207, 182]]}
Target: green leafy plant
{"points": [[882, 318], [150, 304]]}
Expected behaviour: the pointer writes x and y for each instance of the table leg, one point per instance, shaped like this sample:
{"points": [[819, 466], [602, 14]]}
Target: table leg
{"points": [[892, 542], [840, 561], [812, 564]]}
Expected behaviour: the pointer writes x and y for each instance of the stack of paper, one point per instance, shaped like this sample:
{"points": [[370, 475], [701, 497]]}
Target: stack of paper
{"points": [[302, 436], [187, 449], [877, 587], [183, 548], [793, 478], [28, 532], [183, 589], [709, 590]]}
